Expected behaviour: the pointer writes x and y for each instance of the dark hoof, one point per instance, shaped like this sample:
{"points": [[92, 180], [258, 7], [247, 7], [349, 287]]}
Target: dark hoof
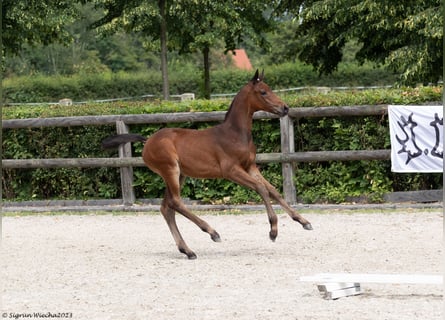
{"points": [[273, 236], [215, 237], [307, 226], [191, 256]]}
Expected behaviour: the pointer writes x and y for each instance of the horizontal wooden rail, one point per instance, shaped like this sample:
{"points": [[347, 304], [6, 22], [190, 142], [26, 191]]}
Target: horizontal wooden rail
{"points": [[319, 156], [112, 119], [179, 117], [346, 111], [71, 163], [138, 162]]}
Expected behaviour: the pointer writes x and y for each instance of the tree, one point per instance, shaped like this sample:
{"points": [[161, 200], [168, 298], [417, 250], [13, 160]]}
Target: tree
{"points": [[86, 52], [405, 35], [163, 40], [187, 26], [34, 22], [149, 18], [204, 23]]}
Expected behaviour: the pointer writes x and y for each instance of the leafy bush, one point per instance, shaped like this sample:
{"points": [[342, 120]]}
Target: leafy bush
{"points": [[64, 183], [81, 87]]}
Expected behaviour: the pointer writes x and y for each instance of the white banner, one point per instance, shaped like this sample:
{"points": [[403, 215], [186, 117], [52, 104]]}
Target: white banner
{"points": [[416, 138]]}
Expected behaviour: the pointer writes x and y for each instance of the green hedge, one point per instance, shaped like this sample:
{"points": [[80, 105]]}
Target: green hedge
{"points": [[315, 182], [83, 87]]}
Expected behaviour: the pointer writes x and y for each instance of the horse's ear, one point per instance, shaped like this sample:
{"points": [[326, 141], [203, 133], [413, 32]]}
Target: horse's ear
{"points": [[256, 77], [262, 75]]}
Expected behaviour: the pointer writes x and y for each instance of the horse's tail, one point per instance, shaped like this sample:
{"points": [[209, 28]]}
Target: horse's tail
{"points": [[115, 141]]}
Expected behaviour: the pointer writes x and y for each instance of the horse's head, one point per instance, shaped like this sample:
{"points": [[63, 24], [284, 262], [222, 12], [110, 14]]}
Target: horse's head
{"points": [[264, 99]]}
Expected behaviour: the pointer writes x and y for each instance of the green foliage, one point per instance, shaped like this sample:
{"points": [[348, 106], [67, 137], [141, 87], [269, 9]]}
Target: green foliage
{"points": [[339, 181], [62, 183], [192, 26], [108, 85], [34, 22], [406, 35]]}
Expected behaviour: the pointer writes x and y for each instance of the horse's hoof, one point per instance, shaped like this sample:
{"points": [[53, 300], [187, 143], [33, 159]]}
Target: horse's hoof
{"points": [[215, 237], [307, 226], [273, 236], [191, 256]]}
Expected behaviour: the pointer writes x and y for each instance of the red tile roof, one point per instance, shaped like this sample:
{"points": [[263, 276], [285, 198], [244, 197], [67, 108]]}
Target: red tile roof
{"points": [[241, 60]]}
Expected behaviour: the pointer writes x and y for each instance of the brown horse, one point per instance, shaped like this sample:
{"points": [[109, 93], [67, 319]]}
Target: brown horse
{"points": [[223, 151]]}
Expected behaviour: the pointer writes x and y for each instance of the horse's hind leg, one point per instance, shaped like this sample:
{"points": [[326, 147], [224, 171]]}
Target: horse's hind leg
{"points": [[204, 226], [172, 202], [179, 206], [169, 216]]}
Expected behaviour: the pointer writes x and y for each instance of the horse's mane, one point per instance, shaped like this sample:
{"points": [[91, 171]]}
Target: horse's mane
{"points": [[230, 109], [233, 102]]}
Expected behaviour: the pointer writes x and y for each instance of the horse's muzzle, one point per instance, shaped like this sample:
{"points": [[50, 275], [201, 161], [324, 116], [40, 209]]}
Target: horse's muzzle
{"points": [[284, 111]]}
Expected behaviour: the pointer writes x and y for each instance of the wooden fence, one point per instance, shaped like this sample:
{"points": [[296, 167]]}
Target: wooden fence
{"points": [[126, 161]]}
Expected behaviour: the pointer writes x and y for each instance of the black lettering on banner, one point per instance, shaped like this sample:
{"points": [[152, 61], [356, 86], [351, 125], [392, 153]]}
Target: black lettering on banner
{"points": [[435, 152], [410, 125], [408, 142]]}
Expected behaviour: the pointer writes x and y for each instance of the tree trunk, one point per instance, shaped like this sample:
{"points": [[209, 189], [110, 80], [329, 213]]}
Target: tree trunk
{"points": [[206, 52], [163, 37], [52, 58]]}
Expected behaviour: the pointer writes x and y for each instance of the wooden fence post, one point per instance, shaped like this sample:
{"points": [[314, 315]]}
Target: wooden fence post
{"points": [[288, 168], [128, 197]]}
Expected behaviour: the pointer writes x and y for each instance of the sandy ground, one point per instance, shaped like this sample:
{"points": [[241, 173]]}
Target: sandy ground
{"points": [[127, 267]]}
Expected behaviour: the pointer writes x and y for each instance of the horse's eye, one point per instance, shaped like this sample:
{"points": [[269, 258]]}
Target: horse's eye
{"points": [[263, 92]]}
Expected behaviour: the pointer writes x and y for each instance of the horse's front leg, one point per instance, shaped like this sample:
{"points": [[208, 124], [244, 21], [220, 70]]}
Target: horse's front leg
{"points": [[241, 177], [275, 195]]}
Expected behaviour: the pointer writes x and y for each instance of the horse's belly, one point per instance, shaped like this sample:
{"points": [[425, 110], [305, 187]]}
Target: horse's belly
{"points": [[200, 168]]}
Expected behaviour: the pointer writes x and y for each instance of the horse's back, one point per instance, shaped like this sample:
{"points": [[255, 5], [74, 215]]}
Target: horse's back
{"points": [[194, 152], [182, 137]]}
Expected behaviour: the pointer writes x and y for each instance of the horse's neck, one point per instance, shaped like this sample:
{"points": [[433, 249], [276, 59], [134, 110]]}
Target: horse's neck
{"points": [[239, 117]]}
